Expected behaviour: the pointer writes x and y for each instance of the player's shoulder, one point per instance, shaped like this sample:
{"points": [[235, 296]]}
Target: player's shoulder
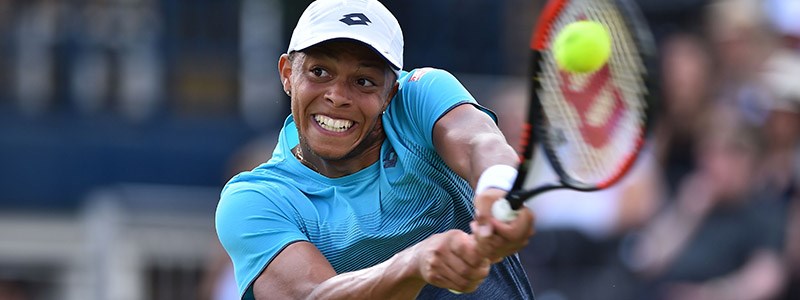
{"points": [[422, 82], [422, 75], [267, 180]]}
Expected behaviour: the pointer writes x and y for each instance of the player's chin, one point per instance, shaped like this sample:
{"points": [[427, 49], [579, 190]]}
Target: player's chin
{"points": [[327, 151], [335, 151], [332, 144]]}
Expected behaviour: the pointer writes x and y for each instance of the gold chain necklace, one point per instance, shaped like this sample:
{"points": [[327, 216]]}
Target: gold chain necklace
{"points": [[299, 155]]}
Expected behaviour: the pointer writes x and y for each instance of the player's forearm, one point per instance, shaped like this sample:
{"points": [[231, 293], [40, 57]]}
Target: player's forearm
{"points": [[490, 149], [395, 278], [469, 142]]}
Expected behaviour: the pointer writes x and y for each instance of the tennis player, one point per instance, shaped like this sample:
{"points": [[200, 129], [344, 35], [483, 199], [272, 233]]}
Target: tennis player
{"points": [[381, 184]]}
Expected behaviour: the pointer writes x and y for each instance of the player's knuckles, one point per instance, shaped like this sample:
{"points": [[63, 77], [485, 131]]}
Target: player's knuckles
{"points": [[433, 262], [469, 273], [477, 274], [453, 241], [439, 277], [437, 280], [461, 278], [468, 284], [470, 257], [466, 248], [458, 239], [497, 241]]}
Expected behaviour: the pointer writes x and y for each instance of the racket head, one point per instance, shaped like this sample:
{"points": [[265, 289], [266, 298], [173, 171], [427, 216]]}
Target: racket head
{"points": [[591, 126]]}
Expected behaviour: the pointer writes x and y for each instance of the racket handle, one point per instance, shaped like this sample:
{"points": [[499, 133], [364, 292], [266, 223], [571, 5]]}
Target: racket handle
{"points": [[501, 210]]}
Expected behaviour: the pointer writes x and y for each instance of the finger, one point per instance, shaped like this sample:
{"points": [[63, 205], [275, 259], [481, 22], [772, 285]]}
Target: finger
{"points": [[508, 238], [453, 273], [470, 277], [483, 210], [466, 247], [474, 260], [516, 230], [488, 242], [442, 279]]}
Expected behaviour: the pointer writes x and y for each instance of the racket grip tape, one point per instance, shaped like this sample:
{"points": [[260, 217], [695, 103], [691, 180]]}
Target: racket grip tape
{"points": [[502, 210]]}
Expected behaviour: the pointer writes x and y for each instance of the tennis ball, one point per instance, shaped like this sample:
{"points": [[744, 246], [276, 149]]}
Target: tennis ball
{"points": [[582, 47]]}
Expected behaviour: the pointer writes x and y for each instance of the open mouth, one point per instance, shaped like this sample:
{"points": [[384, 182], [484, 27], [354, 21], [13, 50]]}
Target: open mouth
{"points": [[331, 124]]}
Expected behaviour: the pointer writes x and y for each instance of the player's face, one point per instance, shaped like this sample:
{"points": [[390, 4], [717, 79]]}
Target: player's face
{"points": [[339, 91]]}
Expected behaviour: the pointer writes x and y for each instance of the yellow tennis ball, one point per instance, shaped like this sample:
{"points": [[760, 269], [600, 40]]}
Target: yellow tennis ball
{"points": [[582, 47]]}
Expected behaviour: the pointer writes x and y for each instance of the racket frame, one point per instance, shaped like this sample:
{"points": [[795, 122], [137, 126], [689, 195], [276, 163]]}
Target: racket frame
{"points": [[534, 132]]}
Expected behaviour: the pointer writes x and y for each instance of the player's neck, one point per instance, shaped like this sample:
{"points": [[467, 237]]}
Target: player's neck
{"points": [[338, 167]]}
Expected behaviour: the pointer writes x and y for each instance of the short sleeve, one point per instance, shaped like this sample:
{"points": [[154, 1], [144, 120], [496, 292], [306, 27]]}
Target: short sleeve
{"points": [[254, 227], [425, 96]]}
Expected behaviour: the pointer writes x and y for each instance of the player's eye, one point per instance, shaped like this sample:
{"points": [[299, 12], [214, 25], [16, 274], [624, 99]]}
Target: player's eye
{"points": [[365, 82], [319, 72]]}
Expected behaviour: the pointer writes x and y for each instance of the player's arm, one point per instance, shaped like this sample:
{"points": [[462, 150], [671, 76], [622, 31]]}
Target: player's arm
{"points": [[470, 142], [448, 260]]}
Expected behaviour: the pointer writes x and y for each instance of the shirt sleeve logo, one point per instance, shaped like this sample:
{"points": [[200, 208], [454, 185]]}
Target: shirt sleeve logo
{"points": [[355, 19], [419, 73]]}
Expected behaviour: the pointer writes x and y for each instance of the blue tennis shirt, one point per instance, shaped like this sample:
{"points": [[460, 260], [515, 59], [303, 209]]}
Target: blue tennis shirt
{"points": [[362, 219]]}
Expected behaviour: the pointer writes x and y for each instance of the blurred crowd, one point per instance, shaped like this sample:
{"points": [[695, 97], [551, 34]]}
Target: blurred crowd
{"points": [[712, 208]]}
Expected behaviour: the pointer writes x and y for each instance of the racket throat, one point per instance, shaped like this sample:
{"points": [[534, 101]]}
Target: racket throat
{"points": [[518, 198]]}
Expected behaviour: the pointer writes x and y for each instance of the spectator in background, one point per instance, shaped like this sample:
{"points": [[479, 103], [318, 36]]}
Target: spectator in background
{"points": [[742, 42], [782, 126], [574, 254], [711, 242], [687, 75], [792, 252], [781, 180], [780, 172]]}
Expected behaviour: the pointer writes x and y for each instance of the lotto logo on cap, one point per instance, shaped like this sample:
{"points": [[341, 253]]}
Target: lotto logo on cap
{"points": [[366, 21], [355, 19]]}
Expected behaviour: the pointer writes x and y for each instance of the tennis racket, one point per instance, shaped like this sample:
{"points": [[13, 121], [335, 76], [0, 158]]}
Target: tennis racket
{"points": [[591, 126]]}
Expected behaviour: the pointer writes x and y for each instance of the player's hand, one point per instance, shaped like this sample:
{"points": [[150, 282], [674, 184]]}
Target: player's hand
{"points": [[498, 239], [451, 260]]}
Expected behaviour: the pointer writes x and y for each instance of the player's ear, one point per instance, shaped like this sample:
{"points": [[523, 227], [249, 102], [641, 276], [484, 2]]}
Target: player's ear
{"points": [[392, 92], [285, 72]]}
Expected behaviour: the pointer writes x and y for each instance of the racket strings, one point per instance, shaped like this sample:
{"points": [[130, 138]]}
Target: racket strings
{"points": [[595, 119]]}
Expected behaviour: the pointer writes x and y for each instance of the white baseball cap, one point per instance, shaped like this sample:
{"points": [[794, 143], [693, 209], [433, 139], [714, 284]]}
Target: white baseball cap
{"points": [[366, 21]]}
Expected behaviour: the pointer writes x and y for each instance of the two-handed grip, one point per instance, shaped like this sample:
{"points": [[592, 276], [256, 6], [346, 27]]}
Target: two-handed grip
{"points": [[501, 210]]}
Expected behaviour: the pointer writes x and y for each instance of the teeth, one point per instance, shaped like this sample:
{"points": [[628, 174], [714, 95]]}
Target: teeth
{"points": [[331, 124]]}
